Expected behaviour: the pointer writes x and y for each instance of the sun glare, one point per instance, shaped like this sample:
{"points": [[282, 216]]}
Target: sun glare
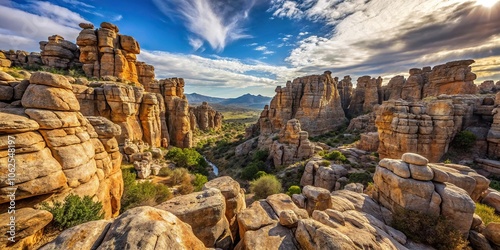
{"points": [[487, 3]]}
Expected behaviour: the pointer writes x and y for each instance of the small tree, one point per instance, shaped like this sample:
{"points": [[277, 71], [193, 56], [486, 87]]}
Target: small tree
{"points": [[293, 190], [74, 211], [199, 181], [265, 186]]}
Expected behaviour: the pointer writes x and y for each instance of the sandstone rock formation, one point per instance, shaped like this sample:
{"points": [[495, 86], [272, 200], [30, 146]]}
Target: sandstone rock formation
{"points": [[345, 89], [313, 100], [20, 58], [293, 145], [205, 117], [205, 212], [413, 184], [58, 151], [177, 112], [327, 177], [137, 228], [59, 53], [494, 132], [104, 52], [366, 96], [427, 127]]}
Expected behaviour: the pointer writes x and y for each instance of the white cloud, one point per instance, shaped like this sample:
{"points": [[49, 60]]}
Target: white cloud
{"points": [[78, 3], [20, 29], [303, 34], [218, 72], [265, 50], [261, 48], [285, 8], [195, 43], [117, 18], [253, 44], [218, 24]]}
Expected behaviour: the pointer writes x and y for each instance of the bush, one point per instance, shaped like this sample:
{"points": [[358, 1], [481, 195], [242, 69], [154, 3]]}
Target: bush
{"points": [[265, 186], [363, 178], [249, 172], [260, 174], [74, 211], [198, 182], [431, 230], [143, 193], [336, 156], [495, 185], [293, 190], [165, 172], [486, 213], [464, 140], [188, 158], [260, 155]]}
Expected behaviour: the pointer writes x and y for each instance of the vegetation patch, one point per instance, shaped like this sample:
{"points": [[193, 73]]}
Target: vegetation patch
{"points": [[334, 156], [188, 158], [265, 186], [464, 140], [145, 193], [294, 190], [363, 178], [486, 213], [75, 210], [431, 230]]}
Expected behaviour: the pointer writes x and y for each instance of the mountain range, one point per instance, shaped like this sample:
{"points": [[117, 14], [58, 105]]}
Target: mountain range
{"points": [[245, 101]]}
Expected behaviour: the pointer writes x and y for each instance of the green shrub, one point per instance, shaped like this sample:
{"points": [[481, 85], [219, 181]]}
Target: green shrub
{"points": [[464, 140], [74, 211], [188, 158], [265, 186], [143, 193], [260, 155], [486, 213], [293, 190], [336, 156], [249, 172], [431, 230], [447, 161], [363, 178], [260, 174], [324, 163], [495, 185], [165, 172], [198, 182]]}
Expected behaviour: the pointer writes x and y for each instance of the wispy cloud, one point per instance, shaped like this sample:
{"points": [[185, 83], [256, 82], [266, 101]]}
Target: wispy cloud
{"points": [[78, 3], [264, 50], [195, 43], [218, 23], [116, 18]]}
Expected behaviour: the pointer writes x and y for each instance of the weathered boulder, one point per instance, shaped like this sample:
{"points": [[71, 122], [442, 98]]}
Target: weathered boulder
{"points": [[234, 197], [492, 233], [59, 53], [28, 228], [326, 177], [492, 199], [205, 212], [164, 230]]}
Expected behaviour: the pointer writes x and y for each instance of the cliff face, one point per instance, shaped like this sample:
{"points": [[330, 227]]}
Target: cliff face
{"points": [[58, 150], [205, 117], [313, 100], [104, 52], [366, 95]]}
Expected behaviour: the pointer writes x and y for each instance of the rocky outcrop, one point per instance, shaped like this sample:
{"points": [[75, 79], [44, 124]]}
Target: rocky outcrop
{"points": [[205, 212], [326, 177], [366, 96], [345, 91], [20, 58], [177, 112], [205, 117], [369, 142], [426, 128], [234, 197], [138, 228], [59, 53], [58, 151], [293, 145], [343, 220], [493, 137], [138, 113], [313, 100], [489, 87], [413, 184], [105, 52], [451, 78]]}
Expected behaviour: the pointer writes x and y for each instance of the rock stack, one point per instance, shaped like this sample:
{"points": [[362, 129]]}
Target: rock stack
{"points": [[58, 151], [59, 53], [366, 95], [205, 117], [313, 100], [104, 52], [413, 184], [293, 145], [177, 112], [20, 58], [345, 91]]}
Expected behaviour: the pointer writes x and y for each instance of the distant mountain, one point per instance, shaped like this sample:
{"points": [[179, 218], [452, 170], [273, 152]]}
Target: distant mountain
{"points": [[196, 98], [244, 101]]}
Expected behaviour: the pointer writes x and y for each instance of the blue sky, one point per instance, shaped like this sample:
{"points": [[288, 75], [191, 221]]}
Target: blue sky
{"points": [[227, 48]]}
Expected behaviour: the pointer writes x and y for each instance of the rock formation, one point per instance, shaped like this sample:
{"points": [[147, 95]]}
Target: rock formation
{"points": [[345, 91], [59, 53], [293, 145], [327, 177], [413, 184], [366, 96], [177, 112], [427, 127], [205, 117], [313, 100], [137, 228], [58, 150], [494, 133], [104, 52], [20, 58]]}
